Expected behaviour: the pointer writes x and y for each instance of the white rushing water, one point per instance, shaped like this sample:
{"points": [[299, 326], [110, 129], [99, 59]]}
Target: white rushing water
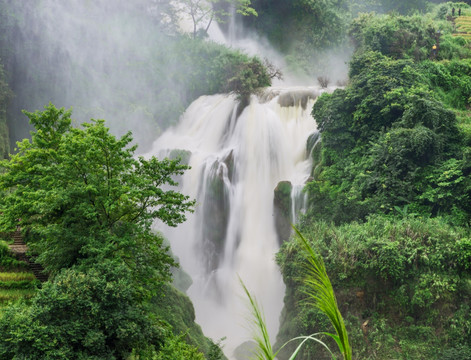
{"points": [[236, 163]]}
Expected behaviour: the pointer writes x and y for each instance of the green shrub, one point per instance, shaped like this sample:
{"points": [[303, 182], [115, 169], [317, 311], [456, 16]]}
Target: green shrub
{"points": [[408, 271], [175, 348], [462, 352], [9, 295]]}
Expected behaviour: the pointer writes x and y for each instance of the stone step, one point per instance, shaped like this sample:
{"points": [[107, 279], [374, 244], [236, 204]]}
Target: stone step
{"points": [[19, 249]]}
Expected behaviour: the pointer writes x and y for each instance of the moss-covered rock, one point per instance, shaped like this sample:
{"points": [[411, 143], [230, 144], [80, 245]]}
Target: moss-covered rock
{"points": [[181, 279], [176, 308], [215, 212], [296, 98], [316, 155], [282, 204]]}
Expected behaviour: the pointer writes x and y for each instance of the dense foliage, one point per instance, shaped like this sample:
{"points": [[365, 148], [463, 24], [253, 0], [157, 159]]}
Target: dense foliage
{"points": [[84, 185], [302, 30], [389, 194], [90, 313], [389, 200], [87, 205], [390, 138], [301, 24], [408, 279], [311, 35]]}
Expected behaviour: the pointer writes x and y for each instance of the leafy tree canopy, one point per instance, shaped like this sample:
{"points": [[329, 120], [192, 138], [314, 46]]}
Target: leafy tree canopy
{"points": [[82, 194], [87, 205], [391, 137]]}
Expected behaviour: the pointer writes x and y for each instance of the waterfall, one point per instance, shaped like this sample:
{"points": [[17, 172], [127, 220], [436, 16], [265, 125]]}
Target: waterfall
{"points": [[237, 159]]}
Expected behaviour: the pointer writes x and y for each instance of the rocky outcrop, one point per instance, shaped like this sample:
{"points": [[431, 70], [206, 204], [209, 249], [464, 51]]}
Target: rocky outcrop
{"points": [[282, 204], [296, 98], [314, 148], [215, 211]]}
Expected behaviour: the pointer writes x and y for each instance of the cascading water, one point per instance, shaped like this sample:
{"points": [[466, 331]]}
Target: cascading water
{"points": [[238, 157]]}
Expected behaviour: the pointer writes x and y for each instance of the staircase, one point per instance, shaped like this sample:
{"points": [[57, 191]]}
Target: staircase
{"points": [[19, 249]]}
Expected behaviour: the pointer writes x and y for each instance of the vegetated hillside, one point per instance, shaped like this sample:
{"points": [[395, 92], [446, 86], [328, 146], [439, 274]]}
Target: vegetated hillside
{"points": [[86, 205], [389, 200], [16, 279], [105, 298], [311, 34]]}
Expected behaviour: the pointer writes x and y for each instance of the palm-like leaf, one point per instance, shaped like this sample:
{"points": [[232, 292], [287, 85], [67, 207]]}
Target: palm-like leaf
{"points": [[264, 349], [320, 290]]}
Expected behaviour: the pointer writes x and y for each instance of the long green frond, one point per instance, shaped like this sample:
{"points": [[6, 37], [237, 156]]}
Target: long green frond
{"points": [[321, 292], [261, 337]]}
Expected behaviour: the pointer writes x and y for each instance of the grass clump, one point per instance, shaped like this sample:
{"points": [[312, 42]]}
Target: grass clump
{"points": [[7, 295], [16, 276], [21, 284]]}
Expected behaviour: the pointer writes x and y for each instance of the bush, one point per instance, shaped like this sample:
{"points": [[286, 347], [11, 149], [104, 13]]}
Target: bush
{"points": [[394, 35], [407, 271], [93, 313], [462, 352], [385, 136]]}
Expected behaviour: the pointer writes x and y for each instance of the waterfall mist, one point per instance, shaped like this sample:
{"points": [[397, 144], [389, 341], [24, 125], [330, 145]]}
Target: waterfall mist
{"points": [[103, 58]]}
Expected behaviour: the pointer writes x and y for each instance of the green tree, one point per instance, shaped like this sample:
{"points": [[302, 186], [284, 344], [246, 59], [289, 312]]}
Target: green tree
{"points": [[81, 194], [381, 136], [87, 205]]}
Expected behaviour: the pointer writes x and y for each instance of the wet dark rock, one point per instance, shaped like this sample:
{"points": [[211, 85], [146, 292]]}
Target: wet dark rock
{"points": [[312, 141], [243, 103], [215, 213], [282, 210], [316, 155], [229, 162], [296, 98], [181, 279]]}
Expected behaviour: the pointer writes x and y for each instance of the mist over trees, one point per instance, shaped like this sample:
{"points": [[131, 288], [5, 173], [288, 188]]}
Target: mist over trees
{"points": [[142, 74]]}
